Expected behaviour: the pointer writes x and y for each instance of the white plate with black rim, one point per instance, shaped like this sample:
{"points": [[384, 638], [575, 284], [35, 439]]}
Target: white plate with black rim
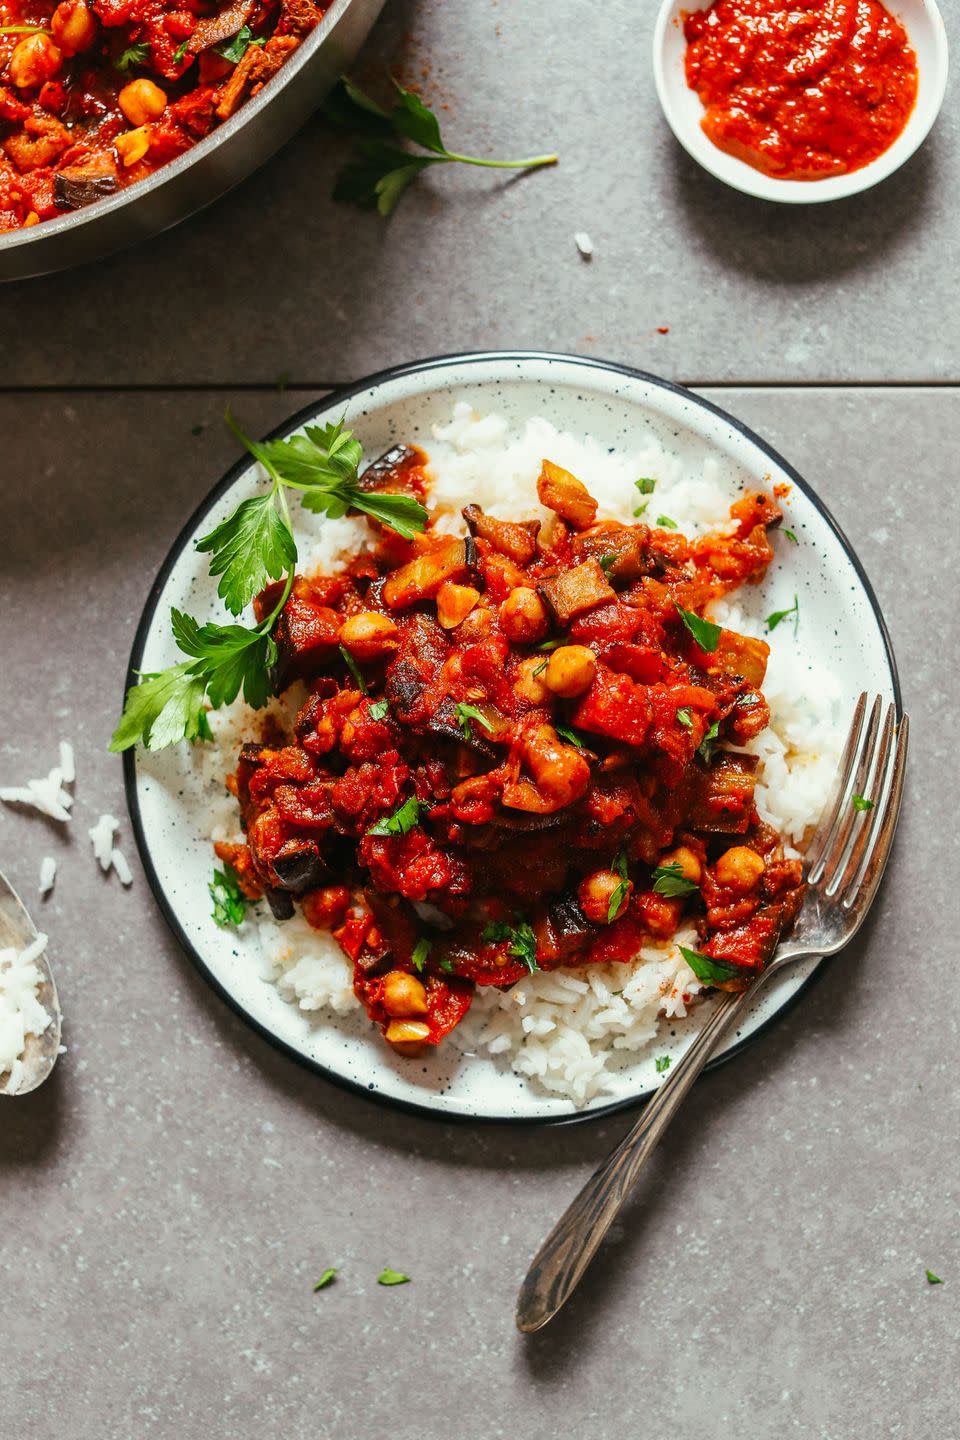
{"points": [[171, 812]]}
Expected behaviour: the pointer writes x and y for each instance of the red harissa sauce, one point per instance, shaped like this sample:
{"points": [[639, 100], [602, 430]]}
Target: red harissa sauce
{"points": [[801, 92]]}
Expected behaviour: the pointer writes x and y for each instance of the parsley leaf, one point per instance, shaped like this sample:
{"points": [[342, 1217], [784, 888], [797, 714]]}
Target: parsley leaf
{"points": [[354, 669], [392, 1277], [402, 821], [790, 536], [523, 942], [566, 733], [670, 880], [706, 747], [645, 485], [860, 802], [617, 898], [709, 970], [181, 51], [203, 728], [229, 902], [466, 713], [379, 710], [135, 55], [774, 620], [162, 709], [327, 1278], [640, 510], [235, 48], [932, 1279], [685, 718], [381, 170], [706, 634], [420, 954], [607, 562], [251, 547], [666, 523], [662, 1063], [446, 965]]}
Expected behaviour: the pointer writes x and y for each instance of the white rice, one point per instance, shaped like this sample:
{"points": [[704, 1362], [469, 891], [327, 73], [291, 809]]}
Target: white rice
{"points": [[101, 837], [48, 874], [119, 862], [566, 1032], [47, 795], [584, 244], [21, 1013]]}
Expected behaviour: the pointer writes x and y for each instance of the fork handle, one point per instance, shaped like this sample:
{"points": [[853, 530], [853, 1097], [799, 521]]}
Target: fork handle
{"points": [[563, 1257]]}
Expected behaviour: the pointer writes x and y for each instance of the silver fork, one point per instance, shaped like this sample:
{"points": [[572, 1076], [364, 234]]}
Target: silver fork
{"points": [[843, 863]]}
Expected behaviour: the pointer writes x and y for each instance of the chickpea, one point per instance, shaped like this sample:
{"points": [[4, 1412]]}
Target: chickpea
{"points": [[690, 867], [403, 995], [454, 603], [132, 145], [560, 771], [523, 617], [142, 101], [739, 868], [571, 670], [597, 893], [74, 26], [34, 61], [407, 1032], [369, 635], [529, 685]]}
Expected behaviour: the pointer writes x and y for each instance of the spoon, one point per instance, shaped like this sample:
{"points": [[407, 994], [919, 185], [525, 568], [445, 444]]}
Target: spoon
{"points": [[18, 931]]}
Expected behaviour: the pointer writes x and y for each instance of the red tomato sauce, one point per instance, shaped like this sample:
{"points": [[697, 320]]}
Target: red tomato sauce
{"points": [[803, 91]]}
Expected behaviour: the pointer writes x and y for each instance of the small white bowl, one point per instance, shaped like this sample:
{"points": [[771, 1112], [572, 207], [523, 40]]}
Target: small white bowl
{"points": [[924, 26]]}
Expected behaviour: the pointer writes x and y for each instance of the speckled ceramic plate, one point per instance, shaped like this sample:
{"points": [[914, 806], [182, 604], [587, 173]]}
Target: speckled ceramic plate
{"points": [[170, 810]]}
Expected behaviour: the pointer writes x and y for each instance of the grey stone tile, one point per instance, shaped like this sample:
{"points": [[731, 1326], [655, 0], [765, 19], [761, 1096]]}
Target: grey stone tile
{"points": [[171, 1195], [277, 278]]}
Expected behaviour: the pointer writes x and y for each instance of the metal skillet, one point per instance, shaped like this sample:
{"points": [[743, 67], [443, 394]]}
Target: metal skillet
{"points": [[218, 162]]}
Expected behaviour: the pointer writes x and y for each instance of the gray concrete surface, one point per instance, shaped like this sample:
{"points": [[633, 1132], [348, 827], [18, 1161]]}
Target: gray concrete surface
{"points": [[275, 279], [169, 1198]]}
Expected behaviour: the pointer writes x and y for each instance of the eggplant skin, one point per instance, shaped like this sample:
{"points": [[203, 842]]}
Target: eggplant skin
{"points": [[281, 903], [73, 189], [299, 870]]}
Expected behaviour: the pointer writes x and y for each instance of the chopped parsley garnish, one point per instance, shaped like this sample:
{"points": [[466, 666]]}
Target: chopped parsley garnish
{"points": [[539, 669], [748, 700], [235, 49], [932, 1279], [566, 733], [420, 954], [607, 562], [670, 880], [790, 536], [180, 51], [134, 55], [229, 902], [251, 547], [709, 970], [685, 718], [550, 645], [774, 620], [25, 30], [392, 1277], [860, 802], [706, 747], [666, 523], [706, 634], [381, 168], [619, 895], [379, 709], [523, 942], [645, 485], [354, 669], [402, 821], [640, 510], [446, 965], [662, 1063], [327, 1278], [466, 713]]}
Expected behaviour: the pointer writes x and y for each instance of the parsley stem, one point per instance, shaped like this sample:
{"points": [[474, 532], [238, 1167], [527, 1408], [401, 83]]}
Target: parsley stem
{"points": [[529, 164]]}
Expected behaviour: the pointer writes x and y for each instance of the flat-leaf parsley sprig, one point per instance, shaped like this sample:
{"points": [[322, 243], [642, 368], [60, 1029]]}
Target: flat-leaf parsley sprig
{"points": [[248, 549], [382, 169]]}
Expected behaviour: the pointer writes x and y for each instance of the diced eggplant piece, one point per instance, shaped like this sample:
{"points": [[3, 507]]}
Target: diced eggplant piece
{"points": [[280, 902], [740, 655], [619, 547], [445, 723], [404, 690], [299, 867], [214, 28], [723, 804], [575, 591], [76, 186], [518, 541], [391, 473], [570, 928], [566, 496], [253, 754], [421, 578]]}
